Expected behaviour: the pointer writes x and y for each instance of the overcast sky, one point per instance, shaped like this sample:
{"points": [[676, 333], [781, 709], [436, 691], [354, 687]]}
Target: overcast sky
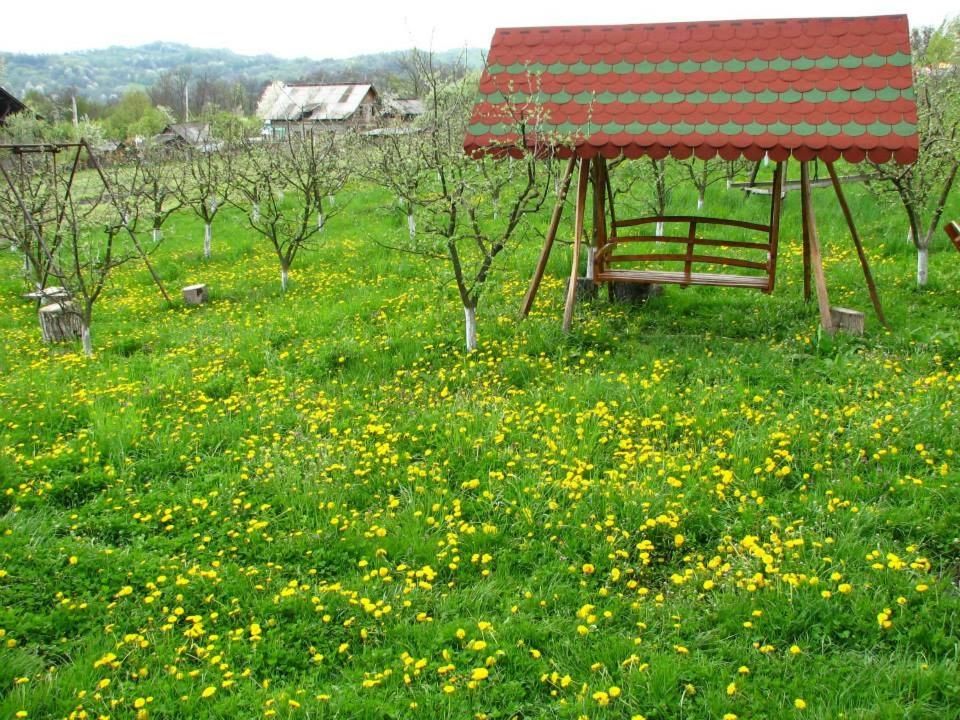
{"points": [[321, 28]]}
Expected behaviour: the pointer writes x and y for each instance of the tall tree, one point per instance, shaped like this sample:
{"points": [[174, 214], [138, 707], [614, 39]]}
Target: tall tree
{"points": [[207, 182], [284, 186], [451, 192], [922, 189]]}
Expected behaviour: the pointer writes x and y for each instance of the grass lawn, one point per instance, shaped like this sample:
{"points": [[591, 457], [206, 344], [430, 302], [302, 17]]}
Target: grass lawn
{"points": [[316, 505]]}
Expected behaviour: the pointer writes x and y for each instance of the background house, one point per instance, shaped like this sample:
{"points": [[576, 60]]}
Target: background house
{"points": [[9, 105], [302, 106], [187, 135]]}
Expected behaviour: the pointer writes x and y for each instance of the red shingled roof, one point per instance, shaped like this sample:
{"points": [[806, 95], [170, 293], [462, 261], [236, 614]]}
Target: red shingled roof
{"points": [[819, 87]]}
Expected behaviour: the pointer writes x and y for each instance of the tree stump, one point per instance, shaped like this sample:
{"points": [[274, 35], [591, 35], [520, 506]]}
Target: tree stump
{"points": [[60, 322], [850, 321], [635, 293], [195, 294], [586, 288]]}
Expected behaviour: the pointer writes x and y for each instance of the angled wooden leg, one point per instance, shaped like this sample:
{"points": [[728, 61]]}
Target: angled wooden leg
{"points": [[548, 242], [868, 276], [582, 180], [816, 260]]}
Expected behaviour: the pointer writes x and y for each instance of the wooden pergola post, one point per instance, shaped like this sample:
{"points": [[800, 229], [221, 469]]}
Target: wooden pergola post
{"points": [[868, 276], [813, 259], [599, 211], [776, 210], [548, 241], [582, 180]]}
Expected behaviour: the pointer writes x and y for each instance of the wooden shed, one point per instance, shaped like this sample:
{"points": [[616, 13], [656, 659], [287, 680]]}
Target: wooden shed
{"points": [[802, 89]]}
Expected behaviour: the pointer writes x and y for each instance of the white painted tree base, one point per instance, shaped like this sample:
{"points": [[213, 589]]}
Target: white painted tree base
{"points": [[87, 340], [470, 320]]}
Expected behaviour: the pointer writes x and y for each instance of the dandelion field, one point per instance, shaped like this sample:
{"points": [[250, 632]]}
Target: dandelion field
{"points": [[316, 505]]}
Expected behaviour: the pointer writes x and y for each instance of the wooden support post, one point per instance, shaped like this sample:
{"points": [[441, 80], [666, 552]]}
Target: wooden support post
{"points": [[868, 276], [806, 239], [776, 210], [599, 211], [548, 241], [816, 260], [582, 180]]}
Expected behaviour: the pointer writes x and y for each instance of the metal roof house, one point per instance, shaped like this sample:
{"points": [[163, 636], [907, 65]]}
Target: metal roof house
{"points": [[303, 106]]}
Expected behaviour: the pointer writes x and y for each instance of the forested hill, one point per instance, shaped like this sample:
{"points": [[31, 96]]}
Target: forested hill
{"points": [[103, 75]]}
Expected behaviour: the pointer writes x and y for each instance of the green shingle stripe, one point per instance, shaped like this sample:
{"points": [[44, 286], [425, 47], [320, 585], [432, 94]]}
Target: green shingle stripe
{"points": [[779, 128], [697, 97], [688, 67]]}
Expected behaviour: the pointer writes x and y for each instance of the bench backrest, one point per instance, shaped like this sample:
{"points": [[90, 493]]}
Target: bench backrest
{"points": [[697, 247]]}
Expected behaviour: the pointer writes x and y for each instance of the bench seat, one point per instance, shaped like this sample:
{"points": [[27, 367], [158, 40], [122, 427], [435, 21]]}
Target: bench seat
{"points": [[758, 282]]}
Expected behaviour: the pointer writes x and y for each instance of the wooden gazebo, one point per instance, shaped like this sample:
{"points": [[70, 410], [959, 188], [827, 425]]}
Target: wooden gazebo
{"points": [[810, 89]]}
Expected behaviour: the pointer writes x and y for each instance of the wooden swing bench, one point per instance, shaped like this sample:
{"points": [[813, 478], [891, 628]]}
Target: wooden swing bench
{"points": [[608, 256], [684, 114]]}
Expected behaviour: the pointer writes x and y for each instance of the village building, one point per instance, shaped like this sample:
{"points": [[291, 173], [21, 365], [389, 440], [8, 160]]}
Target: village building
{"points": [[299, 107], [194, 135], [9, 105]]}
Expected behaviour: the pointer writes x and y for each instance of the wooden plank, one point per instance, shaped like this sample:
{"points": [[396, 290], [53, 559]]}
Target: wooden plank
{"points": [[861, 254], [548, 241], [710, 242], [689, 258], [766, 187], [759, 227], [663, 277], [816, 261], [577, 242]]}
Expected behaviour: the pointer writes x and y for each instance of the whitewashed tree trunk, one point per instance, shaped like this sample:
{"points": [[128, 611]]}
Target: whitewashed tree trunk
{"points": [[470, 318], [284, 278], [332, 199], [909, 235], [255, 213], [156, 235], [320, 221], [411, 225], [923, 262], [701, 200], [207, 240], [659, 231], [591, 256], [86, 339]]}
